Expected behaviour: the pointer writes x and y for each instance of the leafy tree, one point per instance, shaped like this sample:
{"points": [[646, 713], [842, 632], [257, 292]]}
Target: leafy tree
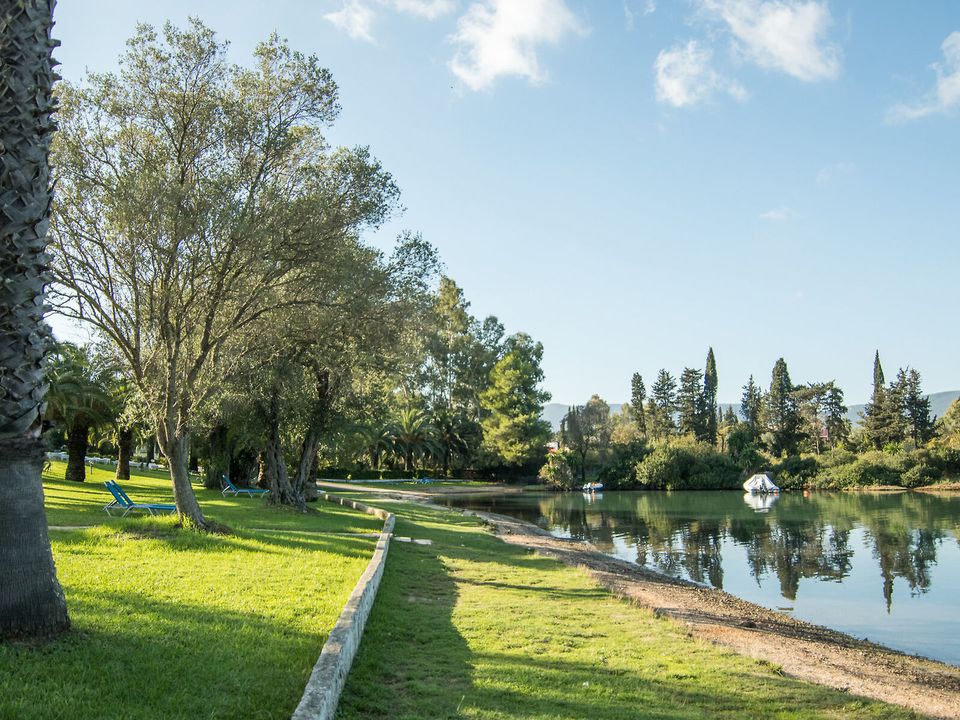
{"points": [[835, 416], [588, 430], [663, 405], [948, 427], [512, 428], [711, 412], [638, 395], [31, 600], [782, 417], [192, 195]]}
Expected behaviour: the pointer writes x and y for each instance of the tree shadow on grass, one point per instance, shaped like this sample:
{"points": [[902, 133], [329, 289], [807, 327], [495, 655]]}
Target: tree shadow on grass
{"points": [[131, 656], [411, 652]]}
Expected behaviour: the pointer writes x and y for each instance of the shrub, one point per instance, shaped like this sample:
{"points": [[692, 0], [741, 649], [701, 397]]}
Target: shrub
{"points": [[621, 472], [687, 467], [560, 470], [795, 472]]}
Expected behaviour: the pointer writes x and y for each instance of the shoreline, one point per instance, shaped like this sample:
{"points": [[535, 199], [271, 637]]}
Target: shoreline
{"points": [[802, 650]]}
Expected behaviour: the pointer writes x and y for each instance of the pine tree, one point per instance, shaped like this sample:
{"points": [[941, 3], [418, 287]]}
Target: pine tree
{"points": [[750, 406], [664, 396], [835, 417], [782, 415], [691, 403], [710, 398], [916, 408], [638, 395]]}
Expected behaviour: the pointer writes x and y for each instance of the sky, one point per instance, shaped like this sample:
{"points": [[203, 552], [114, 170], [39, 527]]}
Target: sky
{"points": [[633, 181]]}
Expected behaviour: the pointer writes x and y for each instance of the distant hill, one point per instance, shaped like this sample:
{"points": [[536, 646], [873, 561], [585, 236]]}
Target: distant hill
{"points": [[939, 402]]}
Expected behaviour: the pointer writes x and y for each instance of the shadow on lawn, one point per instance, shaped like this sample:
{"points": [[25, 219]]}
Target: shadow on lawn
{"points": [[149, 658]]}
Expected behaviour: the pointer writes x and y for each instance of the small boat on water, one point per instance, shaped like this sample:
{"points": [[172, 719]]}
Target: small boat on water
{"points": [[592, 487], [760, 484]]}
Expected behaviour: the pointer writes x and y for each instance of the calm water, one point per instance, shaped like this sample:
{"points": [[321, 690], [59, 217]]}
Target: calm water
{"points": [[883, 567]]}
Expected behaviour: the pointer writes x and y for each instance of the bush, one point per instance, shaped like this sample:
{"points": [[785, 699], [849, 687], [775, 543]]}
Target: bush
{"points": [[621, 472], [795, 472], [687, 467], [560, 471]]}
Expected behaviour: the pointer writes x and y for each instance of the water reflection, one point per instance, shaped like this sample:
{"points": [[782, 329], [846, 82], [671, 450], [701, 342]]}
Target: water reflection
{"points": [[781, 543]]}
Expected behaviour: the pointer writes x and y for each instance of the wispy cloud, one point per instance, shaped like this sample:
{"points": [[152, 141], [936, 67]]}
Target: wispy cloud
{"points": [[685, 77], [497, 38], [357, 17], [649, 7], [833, 171], [945, 95], [779, 214], [354, 18], [784, 35], [429, 9]]}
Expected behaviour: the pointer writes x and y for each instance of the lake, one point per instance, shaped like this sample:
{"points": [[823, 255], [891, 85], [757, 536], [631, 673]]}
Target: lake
{"points": [[880, 566]]}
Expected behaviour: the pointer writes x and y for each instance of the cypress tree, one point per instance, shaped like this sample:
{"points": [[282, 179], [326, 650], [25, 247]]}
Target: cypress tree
{"points": [[710, 398], [638, 395]]}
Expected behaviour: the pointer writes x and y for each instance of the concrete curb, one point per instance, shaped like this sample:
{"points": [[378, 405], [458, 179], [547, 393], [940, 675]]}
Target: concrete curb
{"points": [[320, 697]]}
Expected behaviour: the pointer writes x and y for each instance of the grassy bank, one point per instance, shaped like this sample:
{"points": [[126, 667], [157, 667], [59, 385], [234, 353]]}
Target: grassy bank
{"points": [[472, 627], [172, 624]]}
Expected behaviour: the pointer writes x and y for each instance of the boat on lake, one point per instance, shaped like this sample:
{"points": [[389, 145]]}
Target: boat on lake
{"points": [[592, 487], [760, 483]]}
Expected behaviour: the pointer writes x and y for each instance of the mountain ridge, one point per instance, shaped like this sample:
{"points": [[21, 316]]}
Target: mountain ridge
{"points": [[939, 402]]}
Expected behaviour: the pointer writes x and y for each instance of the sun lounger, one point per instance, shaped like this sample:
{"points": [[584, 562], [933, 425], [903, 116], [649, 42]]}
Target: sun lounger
{"points": [[122, 501], [230, 489]]}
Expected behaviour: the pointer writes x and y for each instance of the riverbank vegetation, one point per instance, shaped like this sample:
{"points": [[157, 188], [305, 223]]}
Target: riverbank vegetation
{"points": [[681, 438]]}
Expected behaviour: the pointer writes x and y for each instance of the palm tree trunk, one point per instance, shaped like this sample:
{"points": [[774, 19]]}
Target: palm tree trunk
{"points": [[124, 451], [31, 600], [77, 445]]}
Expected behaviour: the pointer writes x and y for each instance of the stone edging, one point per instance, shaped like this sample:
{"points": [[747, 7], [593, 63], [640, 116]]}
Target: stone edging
{"points": [[320, 697]]}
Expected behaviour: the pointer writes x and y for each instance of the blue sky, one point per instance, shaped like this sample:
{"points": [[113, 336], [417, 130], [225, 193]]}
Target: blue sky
{"points": [[632, 182]]}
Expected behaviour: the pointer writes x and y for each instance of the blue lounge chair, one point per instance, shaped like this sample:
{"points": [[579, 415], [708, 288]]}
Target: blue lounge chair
{"points": [[230, 489], [122, 500]]}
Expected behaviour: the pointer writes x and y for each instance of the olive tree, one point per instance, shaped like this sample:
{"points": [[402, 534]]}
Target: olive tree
{"points": [[193, 196], [31, 600]]}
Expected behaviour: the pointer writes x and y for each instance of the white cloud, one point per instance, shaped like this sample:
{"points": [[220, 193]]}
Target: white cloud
{"points": [[779, 214], [834, 171], [497, 38], [684, 76], [354, 18], [429, 9], [785, 35], [946, 95]]}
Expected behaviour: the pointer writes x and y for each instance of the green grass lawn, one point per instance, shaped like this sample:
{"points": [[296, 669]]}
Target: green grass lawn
{"points": [[470, 627], [169, 623], [71, 503]]}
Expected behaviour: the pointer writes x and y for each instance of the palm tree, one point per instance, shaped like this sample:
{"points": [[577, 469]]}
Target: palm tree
{"points": [[454, 432], [31, 600], [80, 399], [413, 436]]}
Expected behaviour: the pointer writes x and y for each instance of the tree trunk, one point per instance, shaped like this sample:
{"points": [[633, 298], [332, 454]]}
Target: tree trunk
{"points": [[217, 462], [303, 480], [124, 451], [275, 466], [31, 600], [77, 445], [176, 448]]}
